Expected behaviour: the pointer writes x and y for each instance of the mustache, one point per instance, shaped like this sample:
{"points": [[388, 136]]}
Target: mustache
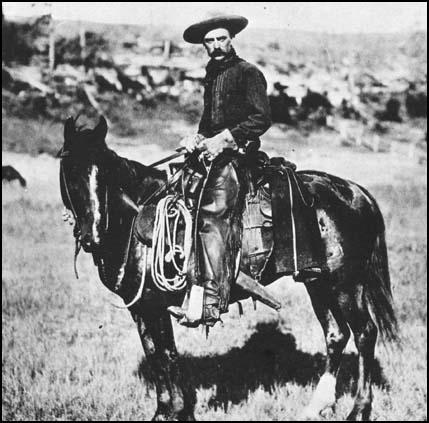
{"points": [[217, 52]]}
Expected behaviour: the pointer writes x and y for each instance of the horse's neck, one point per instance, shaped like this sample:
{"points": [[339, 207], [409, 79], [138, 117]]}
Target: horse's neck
{"points": [[138, 180]]}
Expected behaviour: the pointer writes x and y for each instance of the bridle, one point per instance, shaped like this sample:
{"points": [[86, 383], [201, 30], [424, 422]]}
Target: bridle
{"points": [[77, 232]]}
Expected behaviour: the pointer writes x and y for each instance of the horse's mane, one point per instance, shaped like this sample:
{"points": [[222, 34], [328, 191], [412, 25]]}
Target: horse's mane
{"points": [[129, 174], [132, 171]]}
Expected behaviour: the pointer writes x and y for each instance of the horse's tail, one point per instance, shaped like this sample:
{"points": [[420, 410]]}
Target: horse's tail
{"points": [[378, 293]]}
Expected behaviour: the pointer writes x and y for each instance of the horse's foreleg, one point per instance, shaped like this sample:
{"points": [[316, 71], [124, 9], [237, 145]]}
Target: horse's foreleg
{"points": [[175, 398], [336, 335]]}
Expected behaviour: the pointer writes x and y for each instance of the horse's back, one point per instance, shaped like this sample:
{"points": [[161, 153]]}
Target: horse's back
{"points": [[332, 191]]}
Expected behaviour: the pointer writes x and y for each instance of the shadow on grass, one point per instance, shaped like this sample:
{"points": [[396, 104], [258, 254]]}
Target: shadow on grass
{"points": [[268, 358]]}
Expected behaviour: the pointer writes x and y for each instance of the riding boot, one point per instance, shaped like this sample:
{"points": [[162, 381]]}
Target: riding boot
{"points": [[199, 308], [211, 304]]}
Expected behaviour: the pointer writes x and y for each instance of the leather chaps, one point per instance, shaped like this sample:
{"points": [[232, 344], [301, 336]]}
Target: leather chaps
{"points": [[219, 227]]}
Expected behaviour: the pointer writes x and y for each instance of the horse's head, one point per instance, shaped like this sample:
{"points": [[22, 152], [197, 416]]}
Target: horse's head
{"points": [[84, 173]]}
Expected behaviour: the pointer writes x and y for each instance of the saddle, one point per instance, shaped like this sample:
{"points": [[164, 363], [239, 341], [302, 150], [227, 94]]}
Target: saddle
{"points": [[279, 218], [280, 221]]}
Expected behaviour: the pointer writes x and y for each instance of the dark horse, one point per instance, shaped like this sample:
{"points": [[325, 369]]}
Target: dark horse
{"points": [[354, 296]]}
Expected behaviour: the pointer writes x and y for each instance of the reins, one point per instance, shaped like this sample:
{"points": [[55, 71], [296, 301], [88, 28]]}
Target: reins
{"points": [[77, 234], [179, 152]]}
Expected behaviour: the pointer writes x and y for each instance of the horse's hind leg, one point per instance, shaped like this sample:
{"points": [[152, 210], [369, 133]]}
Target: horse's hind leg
{"points": [[365, 336], [175, 398], [337, 335]]}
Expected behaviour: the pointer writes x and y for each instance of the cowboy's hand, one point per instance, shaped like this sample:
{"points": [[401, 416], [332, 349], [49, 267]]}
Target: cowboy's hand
{"points": [[215, 145], [191, 142]]}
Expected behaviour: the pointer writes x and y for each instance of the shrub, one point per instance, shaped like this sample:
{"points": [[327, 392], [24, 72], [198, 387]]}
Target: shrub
{"points": [[17, 42], [68, 50]]}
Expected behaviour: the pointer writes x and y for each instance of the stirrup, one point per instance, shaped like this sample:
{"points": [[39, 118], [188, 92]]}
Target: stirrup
{"points": [[177, 311], [195, 310], [191, 311], [183, 319]]}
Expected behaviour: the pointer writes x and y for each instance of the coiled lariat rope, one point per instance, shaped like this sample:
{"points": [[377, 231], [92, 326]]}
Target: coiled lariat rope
{"points": [[170, 211]]}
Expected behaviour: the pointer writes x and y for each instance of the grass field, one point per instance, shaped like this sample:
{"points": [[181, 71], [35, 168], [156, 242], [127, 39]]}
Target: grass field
{"points": [[69, 354]]}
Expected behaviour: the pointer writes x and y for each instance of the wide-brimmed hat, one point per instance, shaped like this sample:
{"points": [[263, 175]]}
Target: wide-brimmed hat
{"points": [[196, 32]]}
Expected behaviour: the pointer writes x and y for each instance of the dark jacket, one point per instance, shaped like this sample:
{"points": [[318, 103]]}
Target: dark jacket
{"points": [[235, 98]]}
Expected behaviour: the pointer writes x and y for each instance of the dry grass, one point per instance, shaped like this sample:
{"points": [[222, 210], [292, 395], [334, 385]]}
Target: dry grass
{"points": [[69, 355], [31, 136], [128, 119]]}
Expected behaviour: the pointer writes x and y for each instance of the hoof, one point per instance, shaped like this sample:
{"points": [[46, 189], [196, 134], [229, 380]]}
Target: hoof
{"points": [[175, 417], [323, 401], [328, 412], [316, 414], [160, 418], [359, 416], [361, 412]]}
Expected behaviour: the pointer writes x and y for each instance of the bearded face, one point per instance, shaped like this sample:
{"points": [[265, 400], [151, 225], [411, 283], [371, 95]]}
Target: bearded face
{"points": [[218, 43]]}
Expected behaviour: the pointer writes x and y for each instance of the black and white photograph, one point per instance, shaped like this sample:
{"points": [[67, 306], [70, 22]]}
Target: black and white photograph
{"points": [[214, 211]]}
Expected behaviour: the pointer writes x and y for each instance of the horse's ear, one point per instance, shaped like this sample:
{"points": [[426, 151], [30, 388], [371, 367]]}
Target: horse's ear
{"points": [[69, 130], [100, 130]]}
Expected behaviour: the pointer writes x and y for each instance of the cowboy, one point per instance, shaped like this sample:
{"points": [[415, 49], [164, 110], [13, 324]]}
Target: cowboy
{"points": [[236, 113]]}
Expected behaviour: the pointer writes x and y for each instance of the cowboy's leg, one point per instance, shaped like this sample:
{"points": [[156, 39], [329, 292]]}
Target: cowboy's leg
{"points": [[219, 237]]}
